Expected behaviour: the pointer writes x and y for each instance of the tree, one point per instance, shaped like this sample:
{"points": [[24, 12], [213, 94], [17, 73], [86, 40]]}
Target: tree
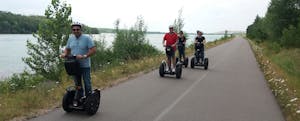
{"points": [[280, 15], [51, 36], [256, 30], [179, 22]]}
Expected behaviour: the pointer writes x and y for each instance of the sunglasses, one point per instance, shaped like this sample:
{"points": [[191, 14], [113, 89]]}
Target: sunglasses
{"points": [[75, 29]]}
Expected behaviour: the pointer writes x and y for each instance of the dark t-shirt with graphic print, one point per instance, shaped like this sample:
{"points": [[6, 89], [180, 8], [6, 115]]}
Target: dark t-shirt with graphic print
{"points": [[200, 40], [181, 41]]}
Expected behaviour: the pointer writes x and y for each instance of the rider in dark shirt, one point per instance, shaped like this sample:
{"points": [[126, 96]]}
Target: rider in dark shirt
{"points": [[181, 45], [199, 44]]}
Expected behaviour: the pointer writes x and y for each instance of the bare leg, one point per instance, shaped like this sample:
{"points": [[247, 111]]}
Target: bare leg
{"points": [[174, 61], [169, 62]]}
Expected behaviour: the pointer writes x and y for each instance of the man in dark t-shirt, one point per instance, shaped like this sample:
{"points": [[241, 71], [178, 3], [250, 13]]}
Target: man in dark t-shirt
{"points": [[199, 44]]}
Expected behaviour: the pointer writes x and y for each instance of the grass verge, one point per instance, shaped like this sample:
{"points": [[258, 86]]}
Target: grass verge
{"points": [[28, 103], [281, 68]]}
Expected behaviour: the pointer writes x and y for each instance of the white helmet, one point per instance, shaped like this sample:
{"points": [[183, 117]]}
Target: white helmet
{"points": [[76, 24]]}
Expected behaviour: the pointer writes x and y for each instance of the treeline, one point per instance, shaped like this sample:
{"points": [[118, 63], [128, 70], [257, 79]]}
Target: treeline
{"points": [[19, 24], [281, 24]]}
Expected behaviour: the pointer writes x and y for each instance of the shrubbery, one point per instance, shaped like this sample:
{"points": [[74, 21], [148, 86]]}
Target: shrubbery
{"points": [[16, 82], [132, 44], [129, 44]]}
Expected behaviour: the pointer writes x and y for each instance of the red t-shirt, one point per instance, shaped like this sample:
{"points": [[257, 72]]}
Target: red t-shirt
{"points": [[171, 39]]}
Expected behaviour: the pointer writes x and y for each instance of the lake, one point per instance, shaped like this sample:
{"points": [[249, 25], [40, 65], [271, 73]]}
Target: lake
{"points": [[13, 48]]}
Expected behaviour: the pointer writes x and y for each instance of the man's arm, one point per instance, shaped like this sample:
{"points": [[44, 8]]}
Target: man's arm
{"points": [[91, 52]]}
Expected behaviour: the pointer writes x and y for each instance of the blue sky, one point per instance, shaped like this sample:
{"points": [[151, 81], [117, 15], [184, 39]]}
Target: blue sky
{"points": [[206, 15]]}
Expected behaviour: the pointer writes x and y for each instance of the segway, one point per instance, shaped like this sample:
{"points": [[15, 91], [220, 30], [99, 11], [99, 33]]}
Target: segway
{"points": [[163, 66], [197, 61], [72, 100], [185, 62]]}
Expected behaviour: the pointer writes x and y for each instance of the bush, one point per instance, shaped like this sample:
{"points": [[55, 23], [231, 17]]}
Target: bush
{"points": [[291, 37], [20, 81], [274, 47], [132, 44], [103, 56]]}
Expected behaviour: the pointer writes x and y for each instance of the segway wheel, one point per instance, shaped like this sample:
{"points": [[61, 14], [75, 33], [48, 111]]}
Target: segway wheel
{"points": [[178, 71], [68, 100], [92, 102], [162, 70], [193, 62], [205, 63], [177, 59], [186, 62]]}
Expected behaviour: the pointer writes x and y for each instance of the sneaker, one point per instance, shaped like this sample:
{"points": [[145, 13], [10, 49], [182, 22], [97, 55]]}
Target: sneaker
{"points": [[167, 69], [173, 70]]}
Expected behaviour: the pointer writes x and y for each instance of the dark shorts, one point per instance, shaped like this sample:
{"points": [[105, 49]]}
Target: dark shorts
{"points": [[170, 52]]}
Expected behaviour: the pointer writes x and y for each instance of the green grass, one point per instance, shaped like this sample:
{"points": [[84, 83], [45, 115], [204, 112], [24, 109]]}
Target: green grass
{"points": [[281, 67], [29, 102]]}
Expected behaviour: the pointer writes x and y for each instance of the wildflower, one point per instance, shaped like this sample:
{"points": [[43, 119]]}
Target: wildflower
{"points": [[293, 100]]}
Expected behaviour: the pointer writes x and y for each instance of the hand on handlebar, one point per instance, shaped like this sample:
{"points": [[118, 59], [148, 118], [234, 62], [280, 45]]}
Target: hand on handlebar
{"points": [[63, 55], [79, 57]]}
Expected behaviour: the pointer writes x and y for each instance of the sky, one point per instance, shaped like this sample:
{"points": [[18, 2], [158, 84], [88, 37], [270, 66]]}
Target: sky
{"points": [[206, 15]]}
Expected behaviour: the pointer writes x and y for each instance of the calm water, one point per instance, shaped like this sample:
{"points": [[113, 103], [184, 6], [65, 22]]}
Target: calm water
{"points": [[13, 48]]}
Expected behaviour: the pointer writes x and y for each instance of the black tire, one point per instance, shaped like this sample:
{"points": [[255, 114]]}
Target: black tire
{"points": [[92, 103], [193, 62], [68, 100], [177, 59], [206, 63], [162, 70], [178, 71], [186, 62]]}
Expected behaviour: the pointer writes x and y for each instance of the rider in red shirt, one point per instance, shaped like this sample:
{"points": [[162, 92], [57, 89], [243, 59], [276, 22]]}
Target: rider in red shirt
{"points": [[170, 42]]}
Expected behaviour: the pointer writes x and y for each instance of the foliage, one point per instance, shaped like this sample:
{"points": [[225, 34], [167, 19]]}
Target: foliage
{"points": [[17, 24], [90, 30], [51, 36], [291, 36], [179, 22], [132, 44], [281, 24], [17, 82], [103, 56]]}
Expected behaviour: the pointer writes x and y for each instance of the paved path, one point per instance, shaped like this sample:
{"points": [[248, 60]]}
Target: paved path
{"points": [[232, 89]]}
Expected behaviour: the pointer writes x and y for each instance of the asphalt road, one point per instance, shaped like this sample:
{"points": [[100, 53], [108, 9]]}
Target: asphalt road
{"points": [[232, 89]]}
